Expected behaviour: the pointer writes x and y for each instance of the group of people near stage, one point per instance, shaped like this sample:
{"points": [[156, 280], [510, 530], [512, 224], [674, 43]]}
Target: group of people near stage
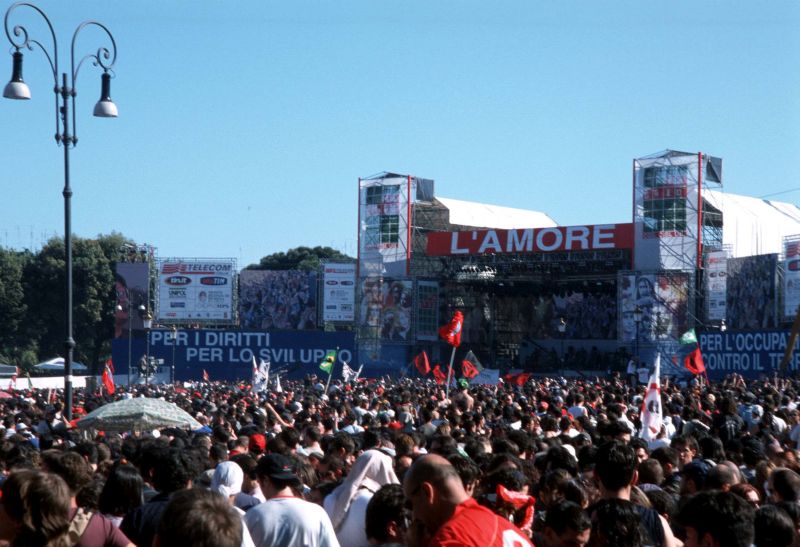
{"points": [[389, 462]]}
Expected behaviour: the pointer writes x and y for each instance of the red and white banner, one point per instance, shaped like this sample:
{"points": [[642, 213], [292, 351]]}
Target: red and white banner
{"points": [[598, 237]]}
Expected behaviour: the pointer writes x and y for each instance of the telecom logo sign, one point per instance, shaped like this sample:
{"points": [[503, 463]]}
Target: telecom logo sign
{"points": [[339, 293], [199, 291]]}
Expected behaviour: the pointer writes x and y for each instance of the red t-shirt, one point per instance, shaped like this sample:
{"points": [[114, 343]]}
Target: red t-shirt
{"points": [[475, 525]]}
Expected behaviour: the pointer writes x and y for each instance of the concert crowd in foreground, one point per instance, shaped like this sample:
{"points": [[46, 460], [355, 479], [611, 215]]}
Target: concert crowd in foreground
{"points": [[394, 462]]}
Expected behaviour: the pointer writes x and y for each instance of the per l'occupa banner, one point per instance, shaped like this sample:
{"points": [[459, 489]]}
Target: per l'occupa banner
{"points": [[195, 290]]}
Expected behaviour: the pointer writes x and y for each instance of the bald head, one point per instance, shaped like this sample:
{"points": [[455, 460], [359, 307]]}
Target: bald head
{"points": [[433, 469], [434, 489]]}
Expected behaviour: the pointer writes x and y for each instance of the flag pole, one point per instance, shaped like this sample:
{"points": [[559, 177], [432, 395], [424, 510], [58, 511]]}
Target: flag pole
{"points": [[449, 373], [330, 373]]}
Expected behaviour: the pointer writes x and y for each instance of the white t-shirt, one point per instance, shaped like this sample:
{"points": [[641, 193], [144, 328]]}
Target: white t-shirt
{"points": [[352, 532], [285, 522]]}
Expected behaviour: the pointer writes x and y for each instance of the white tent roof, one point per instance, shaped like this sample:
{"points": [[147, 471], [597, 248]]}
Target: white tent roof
{"points": [[754, 226], [481, 215]]}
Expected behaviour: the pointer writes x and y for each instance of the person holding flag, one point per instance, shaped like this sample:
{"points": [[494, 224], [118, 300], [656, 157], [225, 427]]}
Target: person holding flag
{"points": [[651, 405]]}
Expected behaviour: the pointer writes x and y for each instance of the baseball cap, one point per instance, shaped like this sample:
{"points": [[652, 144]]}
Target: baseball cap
{"points": [[276, 466], [227, 479]]}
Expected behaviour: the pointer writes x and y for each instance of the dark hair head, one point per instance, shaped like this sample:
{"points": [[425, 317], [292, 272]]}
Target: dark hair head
{"points": [[173, 471], [773, 527], [38, 503], [386, 506], [786, 484], [122, 491], [466, 469], [724, 516], [71, 467], [567, 516], [201, 518], [615, 465], [616, 522]]}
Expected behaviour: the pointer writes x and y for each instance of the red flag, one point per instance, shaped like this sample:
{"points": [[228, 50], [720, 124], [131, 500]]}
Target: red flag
{"points": [[108, 378], [422, 363], [205, 375], [470, 366], [517, 379], [440, 376], [451, 332], [694, 362], [110, 365]]}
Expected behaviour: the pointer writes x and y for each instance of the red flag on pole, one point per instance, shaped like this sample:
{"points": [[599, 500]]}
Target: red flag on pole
{"points": [[517, 379], [694, 362], [470, 366], [451, 332], [440, 376], [422, 363], [108, 377]]}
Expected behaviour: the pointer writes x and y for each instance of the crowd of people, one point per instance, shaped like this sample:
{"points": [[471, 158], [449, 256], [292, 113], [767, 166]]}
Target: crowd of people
{"points": [[394, 462], [283, 299]]}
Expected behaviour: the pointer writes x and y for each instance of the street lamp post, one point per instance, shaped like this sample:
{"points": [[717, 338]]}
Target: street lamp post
{"points": [[174, 341], [562, 329], [105, 108], [637, 318], [148, 323]]}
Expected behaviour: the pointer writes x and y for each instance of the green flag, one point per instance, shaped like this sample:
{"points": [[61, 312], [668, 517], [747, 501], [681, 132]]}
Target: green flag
{"points": [[688, 337], [327, 363]]}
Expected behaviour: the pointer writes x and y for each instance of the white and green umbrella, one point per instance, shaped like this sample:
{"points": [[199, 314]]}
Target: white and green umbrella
{"points": [[140, 413]]}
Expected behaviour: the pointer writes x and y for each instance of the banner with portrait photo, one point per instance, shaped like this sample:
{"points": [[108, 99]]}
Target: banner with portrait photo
{"points": [[716, 284], [661, 298], [339, 292], [751, 298], [791, 277], [281, 299], [132, 284]]}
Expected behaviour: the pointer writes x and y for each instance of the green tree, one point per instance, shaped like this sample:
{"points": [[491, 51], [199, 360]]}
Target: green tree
{"points": [[12, 304], [300, 258], [93, 297]]}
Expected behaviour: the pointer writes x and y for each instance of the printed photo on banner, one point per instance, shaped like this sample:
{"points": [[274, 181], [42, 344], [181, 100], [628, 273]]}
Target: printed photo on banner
{"points": [[285, 300], [662, 300]]}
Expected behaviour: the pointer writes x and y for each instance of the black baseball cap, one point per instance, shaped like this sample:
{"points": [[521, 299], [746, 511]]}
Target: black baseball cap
{"points": [[276, 466]]}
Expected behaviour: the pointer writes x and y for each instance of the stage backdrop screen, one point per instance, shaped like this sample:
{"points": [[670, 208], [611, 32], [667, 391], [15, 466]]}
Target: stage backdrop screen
{"points": [[751, 302], [195, 290], [282, 299]]}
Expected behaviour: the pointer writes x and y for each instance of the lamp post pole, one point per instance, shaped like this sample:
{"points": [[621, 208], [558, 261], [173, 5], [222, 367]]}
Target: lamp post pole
{"points": [[562, 329], [105, 108], [174, 340]]}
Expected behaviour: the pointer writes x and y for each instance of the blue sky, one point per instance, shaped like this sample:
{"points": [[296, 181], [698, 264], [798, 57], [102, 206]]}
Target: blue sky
{"points": [[245, 125]]}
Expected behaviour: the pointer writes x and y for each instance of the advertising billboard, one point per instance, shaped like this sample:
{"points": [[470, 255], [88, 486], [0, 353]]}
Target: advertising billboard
{"points": [[791, 277], [751, 299], [716, 284], [131, 283], [663, 300], [339, 292], [195, 290], [281, 299], [228, 354]]}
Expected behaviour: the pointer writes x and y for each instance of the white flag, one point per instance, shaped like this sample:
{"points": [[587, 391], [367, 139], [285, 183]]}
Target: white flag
{"points": [[278, 388], [358, 373], [261, 376], [347, 372], [651, 405]]}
